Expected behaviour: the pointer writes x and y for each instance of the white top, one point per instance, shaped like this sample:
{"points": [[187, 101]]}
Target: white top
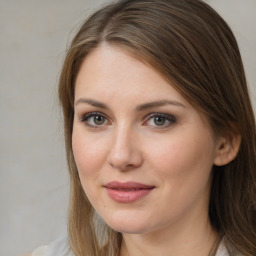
{"points": [[61, 248]]}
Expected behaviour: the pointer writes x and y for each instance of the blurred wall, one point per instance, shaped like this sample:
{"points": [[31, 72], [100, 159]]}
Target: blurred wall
{"points": [[33, 177]]}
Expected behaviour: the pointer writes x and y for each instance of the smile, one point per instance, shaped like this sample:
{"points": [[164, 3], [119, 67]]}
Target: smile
{"points": [[127, 192]]}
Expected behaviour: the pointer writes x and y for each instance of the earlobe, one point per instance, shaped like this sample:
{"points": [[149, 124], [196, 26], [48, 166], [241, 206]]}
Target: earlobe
{"points": [[227, 149]]}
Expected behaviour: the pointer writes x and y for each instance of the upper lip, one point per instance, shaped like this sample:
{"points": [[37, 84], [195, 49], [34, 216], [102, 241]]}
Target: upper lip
{"points": [[127, 185]]}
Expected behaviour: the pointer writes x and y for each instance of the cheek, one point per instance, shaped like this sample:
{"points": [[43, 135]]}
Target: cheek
{"points": [[183, 165], [89, 153], [184, 155]]}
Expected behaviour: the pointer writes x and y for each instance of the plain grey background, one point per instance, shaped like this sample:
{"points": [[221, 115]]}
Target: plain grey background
{"points": [[33, 178]]}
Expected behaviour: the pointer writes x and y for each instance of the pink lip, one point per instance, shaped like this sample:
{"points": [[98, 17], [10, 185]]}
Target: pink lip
{"points": [[127, 192]]}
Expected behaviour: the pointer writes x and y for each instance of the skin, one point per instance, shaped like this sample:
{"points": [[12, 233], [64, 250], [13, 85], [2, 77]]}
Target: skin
{"points": [[129, 145]]}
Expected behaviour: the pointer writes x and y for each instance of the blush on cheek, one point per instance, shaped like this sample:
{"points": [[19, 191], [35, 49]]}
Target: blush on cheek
{"points": [[190, 157], [170, 157], [88, 155]]}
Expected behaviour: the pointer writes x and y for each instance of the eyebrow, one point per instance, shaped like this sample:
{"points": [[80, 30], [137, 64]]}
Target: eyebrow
{"points": [[159, 103], [94, 103], [141, 107]]}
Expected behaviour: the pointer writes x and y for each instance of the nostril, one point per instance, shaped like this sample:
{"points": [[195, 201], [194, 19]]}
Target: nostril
{"points": [[125, 165], [125, 154]]}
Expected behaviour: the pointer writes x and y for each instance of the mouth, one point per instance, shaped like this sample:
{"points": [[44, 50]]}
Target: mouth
{"points": [[127, 192]]}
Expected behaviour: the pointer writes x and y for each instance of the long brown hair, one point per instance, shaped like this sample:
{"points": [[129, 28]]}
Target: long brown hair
{"points": [[188, 43]]}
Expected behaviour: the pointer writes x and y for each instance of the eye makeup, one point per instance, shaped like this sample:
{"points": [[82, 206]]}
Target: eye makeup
{"points": [[160, 120], [94, 119]]}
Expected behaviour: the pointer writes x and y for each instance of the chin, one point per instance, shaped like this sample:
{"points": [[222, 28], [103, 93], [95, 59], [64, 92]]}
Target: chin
{"points": [[128, 225], [128, 229]]}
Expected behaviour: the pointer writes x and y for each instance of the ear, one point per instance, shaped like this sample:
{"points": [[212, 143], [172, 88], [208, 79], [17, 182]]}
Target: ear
{"points": [[227, 149]]}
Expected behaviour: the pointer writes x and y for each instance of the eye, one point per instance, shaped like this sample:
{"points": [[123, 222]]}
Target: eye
{"points": [[94, 119], [160, 120]]}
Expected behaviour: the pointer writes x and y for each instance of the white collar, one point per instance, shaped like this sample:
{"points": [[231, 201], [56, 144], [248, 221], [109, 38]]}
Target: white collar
{"points": [[222, 249]]}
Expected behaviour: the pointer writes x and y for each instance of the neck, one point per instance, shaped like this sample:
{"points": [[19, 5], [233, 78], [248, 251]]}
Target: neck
{"points": [[189, 238]]}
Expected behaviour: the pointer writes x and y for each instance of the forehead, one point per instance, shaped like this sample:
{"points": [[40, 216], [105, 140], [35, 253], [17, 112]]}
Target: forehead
{"points": [[112, 71]]}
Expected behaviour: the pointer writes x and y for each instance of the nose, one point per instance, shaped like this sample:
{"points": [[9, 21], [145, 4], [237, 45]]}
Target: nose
{"points": [[125, 153]]}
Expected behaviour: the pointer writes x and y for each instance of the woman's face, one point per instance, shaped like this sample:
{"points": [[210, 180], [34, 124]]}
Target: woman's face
{"points": [[143, 153]]}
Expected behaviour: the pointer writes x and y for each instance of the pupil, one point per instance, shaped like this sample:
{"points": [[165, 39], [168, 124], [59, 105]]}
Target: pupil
{"points": [[159, 121], [99, 119]]}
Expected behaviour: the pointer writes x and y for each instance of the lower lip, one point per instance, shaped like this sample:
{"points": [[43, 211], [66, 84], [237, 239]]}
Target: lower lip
{"points": [[127, 196]]}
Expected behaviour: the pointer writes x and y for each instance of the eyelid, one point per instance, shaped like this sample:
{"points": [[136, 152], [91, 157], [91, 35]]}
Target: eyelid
{"points": [[86, 116], [172, 119], [93, 113]]}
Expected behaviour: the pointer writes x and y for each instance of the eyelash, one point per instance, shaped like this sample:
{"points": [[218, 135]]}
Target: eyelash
{"points": [[167, 118], [86, 118]]}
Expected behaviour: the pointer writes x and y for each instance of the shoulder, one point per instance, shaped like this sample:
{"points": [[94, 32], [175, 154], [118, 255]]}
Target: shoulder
{"points": [[59, 247], [40, 251]]}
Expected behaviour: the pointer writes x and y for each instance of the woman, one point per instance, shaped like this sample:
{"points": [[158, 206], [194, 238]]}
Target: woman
{"points": [[160, 134]]}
